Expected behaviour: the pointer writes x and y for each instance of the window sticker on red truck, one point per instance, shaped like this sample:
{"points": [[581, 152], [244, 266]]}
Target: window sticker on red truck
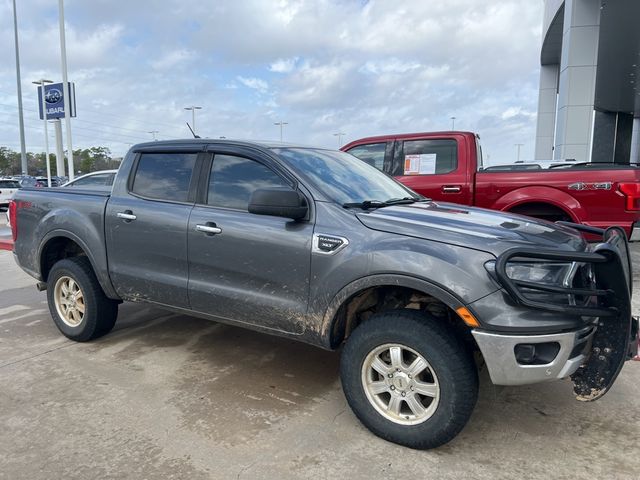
{"points": [[420, 164]]}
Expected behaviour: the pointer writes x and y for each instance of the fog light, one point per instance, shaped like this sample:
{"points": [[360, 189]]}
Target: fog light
{"points": [[536, 353]]}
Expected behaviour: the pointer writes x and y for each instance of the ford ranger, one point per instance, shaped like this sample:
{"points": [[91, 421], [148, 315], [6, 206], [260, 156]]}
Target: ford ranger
{"points": [[316, 245]]}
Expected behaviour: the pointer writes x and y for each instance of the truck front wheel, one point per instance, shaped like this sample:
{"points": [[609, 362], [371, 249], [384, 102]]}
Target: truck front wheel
{"points": [[408, 379], [78, 306]]}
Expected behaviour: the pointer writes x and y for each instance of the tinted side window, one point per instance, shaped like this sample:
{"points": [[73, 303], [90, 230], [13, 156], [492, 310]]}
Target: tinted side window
{"points": [[233, 180], [92, 180], [165, 176], [372, 153], [428, 157]]}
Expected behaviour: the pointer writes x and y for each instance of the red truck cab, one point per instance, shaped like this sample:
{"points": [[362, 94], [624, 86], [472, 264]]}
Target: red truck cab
{"points": [[447, 166]]}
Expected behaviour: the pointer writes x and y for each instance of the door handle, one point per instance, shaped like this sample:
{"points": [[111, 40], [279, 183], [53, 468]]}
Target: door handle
{"points": [[209, 229], [126, 215], [451, 189]]}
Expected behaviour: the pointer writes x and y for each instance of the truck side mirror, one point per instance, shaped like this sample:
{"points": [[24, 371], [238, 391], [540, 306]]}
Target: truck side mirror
{"points": [[279, 202]]}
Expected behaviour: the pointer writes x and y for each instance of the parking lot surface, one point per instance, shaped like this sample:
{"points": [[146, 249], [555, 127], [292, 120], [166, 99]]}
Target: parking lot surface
{"points": [[170, 396]]}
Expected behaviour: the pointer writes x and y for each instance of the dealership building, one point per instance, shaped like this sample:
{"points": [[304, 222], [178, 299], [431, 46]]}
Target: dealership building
{"points": [[589, 103]]}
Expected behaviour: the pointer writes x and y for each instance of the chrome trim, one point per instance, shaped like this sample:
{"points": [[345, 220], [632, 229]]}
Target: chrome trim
{"points": [[126, 216], [316, 243], [208, 229], [499, 355]]}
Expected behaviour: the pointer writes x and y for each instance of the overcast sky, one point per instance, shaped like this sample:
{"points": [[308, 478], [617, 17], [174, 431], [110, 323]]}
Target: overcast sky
{"points": [[324, 66]]}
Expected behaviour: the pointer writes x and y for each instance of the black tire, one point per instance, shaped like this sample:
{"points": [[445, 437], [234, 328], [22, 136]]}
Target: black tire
{"points": [[450, 361], [100, 312]]}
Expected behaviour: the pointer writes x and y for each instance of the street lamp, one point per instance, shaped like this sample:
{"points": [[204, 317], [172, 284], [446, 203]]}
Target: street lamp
{"points": [[453, 123], [23, 150], [42, 83], [339, 135], [193, 109], [153, 132], [281, 124]]}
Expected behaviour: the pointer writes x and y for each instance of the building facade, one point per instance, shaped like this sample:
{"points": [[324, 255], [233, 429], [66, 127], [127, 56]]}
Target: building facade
{"points": [[589, 99]]}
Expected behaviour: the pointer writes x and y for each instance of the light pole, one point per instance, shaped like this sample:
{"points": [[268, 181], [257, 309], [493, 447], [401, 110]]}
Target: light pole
{"points": [[42, 83], [339, 135], [518, 145], [281, 124], [193, 109], [453, 123], [153, 132], [66, 88], [23, 149]]}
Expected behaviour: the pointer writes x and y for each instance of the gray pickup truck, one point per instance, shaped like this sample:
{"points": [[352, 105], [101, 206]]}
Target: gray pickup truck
{"points": [[315, 245]]}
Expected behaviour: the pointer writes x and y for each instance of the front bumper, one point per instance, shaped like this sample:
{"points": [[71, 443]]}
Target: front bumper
{"points": [[593, 353], [499, 353]]}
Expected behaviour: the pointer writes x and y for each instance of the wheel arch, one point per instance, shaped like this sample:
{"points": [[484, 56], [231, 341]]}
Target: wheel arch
{"points": [[541, 195], [341, 316], [59, 244]]}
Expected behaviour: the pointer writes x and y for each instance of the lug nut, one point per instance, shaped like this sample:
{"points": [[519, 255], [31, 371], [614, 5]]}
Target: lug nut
{"points": [[409, 375], [390, 375], [412, 388], [403, 394], [392, 387]]}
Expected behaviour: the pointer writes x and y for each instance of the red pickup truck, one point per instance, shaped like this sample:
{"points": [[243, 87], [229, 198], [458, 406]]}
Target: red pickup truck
{"points": [[447, 166]]}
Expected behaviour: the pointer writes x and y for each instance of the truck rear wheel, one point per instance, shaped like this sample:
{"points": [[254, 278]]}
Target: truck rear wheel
{"points": [[408, 379], [78, 306]]}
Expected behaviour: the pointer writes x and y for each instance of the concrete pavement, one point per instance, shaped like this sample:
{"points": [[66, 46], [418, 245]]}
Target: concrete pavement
{"points": [[169, 396]]}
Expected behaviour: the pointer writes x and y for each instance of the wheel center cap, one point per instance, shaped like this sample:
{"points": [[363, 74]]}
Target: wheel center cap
{"points": [[401, 381]]}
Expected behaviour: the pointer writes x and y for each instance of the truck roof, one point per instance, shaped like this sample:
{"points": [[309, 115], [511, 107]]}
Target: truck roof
{"points": [[207, 141]]}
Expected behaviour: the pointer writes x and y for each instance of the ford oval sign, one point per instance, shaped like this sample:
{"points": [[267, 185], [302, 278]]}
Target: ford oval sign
{"points": [[53, 95]]}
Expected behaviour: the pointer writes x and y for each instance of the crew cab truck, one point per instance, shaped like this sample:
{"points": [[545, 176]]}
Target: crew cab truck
{"points": [[316, 245], [448, 166]]}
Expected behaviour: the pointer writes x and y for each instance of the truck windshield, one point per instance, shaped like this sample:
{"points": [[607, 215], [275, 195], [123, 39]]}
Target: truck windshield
{"points": [[343, 178]]}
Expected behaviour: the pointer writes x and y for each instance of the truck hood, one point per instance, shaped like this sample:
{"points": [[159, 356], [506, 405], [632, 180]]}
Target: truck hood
{"points": [[477, 228]]}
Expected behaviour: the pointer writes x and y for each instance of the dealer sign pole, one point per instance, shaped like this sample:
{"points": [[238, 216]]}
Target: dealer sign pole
{"points": [[42, 83], [67, 90]]}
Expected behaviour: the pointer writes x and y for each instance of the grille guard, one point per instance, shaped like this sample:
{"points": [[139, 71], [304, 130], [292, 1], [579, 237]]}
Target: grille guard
{"points": [[616, 330]]}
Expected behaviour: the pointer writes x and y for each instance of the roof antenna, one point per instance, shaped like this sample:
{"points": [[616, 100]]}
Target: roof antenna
{"points": [[192, 132]]}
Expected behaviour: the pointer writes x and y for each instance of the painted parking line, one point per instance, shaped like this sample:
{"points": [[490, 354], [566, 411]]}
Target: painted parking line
{"points": [[31, 313], [13, 308]]}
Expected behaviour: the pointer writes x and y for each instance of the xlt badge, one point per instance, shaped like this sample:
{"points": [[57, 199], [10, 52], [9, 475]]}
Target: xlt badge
{"points": [[328, 244]]}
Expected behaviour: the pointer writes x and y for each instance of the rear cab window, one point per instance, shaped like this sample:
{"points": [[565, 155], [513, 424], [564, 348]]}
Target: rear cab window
{"points": [[426, 157], [164, 176], [371, 153]]}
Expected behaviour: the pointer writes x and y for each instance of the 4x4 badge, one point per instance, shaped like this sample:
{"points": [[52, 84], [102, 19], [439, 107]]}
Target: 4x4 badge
{"points": [[590, 186]]}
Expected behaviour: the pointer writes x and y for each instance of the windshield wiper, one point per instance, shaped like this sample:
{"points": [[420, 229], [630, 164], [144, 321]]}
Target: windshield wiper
{"points": [[368, 204]]}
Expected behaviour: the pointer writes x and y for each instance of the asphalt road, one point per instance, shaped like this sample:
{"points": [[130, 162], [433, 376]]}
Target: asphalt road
{"points": [[169, 396]]}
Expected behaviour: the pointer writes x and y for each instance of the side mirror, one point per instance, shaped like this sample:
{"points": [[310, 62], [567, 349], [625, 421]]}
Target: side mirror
{"points": [[278, 202]]}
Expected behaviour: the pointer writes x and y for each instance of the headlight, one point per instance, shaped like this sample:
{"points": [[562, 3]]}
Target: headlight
{"points": [[559, 274]]}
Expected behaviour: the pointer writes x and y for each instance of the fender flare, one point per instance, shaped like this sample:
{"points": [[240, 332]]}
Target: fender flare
{"points": [[542, 194], [380, 280], [105, 281]]}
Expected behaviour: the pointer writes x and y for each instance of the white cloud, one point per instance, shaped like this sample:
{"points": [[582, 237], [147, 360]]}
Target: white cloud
{"points": [[172, 59], [254, 83], [283, 65]]}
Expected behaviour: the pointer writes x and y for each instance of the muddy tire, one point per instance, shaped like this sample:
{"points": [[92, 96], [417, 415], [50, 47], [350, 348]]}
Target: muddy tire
{"points": [[408, 379], [78, 306]]}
